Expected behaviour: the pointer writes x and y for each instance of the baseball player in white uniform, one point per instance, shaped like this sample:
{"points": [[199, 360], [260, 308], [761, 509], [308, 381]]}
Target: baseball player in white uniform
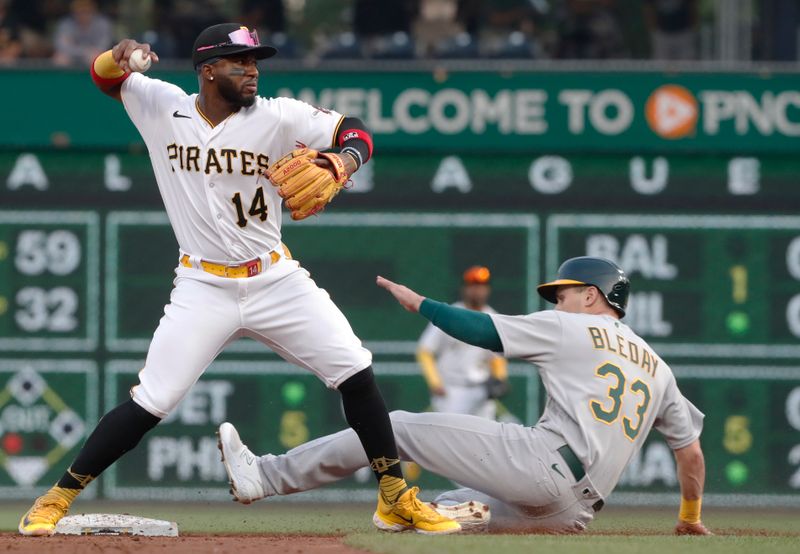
{"points": [[234, 277], [606, 388], [460, 376]]}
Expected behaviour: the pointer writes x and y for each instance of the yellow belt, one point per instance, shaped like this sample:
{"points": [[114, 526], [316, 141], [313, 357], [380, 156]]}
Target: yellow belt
{"points": [[238, 271]]}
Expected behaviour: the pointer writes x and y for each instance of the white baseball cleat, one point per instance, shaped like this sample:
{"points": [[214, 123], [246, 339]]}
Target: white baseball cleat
{"points": [[473, 516], [241, 465]]}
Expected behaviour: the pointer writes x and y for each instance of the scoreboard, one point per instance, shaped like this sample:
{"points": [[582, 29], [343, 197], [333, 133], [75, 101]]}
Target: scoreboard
{"points": [[709, 293], [49, 289], [703, 286], [87, 258], [515, 169]]}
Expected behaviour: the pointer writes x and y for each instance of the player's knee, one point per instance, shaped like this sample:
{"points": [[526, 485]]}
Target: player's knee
{"points": [[130, 416], [158, 407], [144, 414], [356, 384], [401, 416]]}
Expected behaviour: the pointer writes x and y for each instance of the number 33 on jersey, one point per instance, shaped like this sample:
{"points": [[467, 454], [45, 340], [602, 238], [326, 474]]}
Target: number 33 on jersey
{"points": [[602, 376]]}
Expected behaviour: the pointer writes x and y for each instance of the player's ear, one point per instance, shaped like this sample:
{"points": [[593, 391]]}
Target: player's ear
{"points": [[207, 72], [590, 296]]}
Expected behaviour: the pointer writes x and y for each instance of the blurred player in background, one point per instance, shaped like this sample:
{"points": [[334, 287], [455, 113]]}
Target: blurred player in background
{"points": [[464, 379]]}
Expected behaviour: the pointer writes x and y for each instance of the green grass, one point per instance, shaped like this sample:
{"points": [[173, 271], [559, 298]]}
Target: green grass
{"points": [[651, 520], [615, 531], [587, 544]]}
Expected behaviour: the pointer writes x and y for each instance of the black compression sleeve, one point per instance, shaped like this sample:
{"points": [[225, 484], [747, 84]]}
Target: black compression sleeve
{"points": [[355, 139], [117, 432], [366, 413]]}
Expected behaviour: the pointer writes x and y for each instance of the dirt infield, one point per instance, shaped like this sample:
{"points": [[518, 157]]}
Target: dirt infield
{"points": [[194, 544]]}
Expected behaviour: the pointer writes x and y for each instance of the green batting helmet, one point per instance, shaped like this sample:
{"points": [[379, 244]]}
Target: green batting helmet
{"points": [[604, 274]]}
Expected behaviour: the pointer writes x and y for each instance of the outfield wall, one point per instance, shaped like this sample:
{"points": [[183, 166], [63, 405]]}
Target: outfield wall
{"points": [[687, 179]]}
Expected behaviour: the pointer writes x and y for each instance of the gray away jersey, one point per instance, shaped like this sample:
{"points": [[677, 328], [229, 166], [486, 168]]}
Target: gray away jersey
{"points": [[606, 388]]}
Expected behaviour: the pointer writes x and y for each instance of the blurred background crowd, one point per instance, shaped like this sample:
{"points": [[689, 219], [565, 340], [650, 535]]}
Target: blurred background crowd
{"points": [[72, 32]]}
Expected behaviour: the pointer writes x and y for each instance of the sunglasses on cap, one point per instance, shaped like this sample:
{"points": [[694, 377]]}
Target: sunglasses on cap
{"points": [[240, 37]]}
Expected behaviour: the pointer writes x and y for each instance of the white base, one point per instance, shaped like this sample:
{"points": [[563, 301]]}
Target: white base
{"points": [[473, 516], [115, 524]]}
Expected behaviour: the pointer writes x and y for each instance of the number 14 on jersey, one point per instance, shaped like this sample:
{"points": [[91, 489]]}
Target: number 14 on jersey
{"points": [[258, 207]]}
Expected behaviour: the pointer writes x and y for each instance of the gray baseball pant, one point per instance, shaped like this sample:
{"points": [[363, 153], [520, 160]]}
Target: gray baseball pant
{"points": [[504, 465]]}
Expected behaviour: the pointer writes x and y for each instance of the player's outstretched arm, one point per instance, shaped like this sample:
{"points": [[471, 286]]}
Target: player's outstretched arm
{"points": [[692, 476], [112, 67], [469, 326], [407, 298]]}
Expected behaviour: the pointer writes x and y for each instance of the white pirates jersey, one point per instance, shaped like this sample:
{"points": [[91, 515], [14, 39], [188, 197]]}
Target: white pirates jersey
{"points": [[606, 388], [458, 363], [220, 207]]}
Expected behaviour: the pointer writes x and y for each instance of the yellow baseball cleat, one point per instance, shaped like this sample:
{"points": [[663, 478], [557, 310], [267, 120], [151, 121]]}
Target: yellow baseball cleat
{"points": [[410, 514], [46, 511]]}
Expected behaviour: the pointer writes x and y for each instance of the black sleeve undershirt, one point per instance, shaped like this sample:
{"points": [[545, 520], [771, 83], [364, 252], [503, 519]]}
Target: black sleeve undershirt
{"points": [[357, 144]]}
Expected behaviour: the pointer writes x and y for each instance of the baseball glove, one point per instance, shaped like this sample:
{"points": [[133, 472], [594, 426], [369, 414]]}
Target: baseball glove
{"points": [[306, 187], [496, 388]]}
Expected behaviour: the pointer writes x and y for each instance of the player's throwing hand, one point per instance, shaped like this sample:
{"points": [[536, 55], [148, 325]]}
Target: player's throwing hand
{"points": [[122, 52], [407, 298]]}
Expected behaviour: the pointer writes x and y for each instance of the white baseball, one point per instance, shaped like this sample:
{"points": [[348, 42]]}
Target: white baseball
{"points": [[139, 61]]}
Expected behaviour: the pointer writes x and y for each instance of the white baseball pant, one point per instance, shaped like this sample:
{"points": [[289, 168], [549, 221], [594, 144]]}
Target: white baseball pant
{"points": [[281, 307]]}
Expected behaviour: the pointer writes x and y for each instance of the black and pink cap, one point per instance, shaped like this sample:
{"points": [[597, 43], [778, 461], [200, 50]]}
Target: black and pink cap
{"points": [[227, 39]]}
